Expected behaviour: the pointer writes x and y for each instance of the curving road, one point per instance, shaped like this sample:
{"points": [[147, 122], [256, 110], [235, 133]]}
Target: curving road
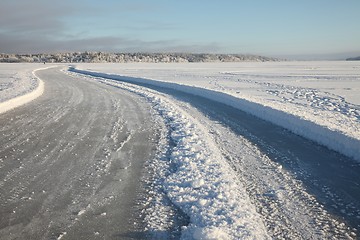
{"points": [[70, 161], [302, 190]]}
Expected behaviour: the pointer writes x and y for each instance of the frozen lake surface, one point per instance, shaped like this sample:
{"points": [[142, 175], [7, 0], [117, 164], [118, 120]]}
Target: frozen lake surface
{"points": [[320, 99], [235, 151]]}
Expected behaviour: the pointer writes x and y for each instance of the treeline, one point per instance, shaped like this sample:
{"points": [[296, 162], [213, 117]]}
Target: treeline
{"points": [[102, 57], [353, 59]]}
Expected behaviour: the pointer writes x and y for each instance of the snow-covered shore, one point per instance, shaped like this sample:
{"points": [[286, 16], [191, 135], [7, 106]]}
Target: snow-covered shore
{"points": [[317, 100]]}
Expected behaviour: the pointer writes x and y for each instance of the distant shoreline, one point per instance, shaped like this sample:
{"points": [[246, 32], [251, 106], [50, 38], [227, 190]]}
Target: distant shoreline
{"points": [[101, 57], [353, 59]]}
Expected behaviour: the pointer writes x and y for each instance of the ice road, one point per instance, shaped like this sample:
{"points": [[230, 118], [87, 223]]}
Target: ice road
{"points": [[109, 158], [70, 161]]}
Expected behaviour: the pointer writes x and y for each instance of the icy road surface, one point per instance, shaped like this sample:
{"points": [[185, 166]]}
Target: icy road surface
{"points": [[70, 161]]}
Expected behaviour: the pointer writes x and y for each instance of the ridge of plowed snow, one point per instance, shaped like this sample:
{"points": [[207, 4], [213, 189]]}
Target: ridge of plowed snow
{"points": [[30, 92], [201, 183], [333, 138]]}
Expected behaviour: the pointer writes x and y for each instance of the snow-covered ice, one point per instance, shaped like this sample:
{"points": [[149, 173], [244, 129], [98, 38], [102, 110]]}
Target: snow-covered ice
{"points": [[18, 85], [16, 80], [202, 184], [317, 100]]}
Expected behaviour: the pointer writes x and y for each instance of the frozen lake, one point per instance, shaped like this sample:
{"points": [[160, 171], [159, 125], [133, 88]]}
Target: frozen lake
{"points": [[233, 150]]}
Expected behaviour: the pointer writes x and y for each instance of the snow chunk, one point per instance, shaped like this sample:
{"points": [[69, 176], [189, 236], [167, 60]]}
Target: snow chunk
{"points": [[210, 234]]}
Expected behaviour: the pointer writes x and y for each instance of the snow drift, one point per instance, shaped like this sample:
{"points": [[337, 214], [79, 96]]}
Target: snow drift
{"points": [[200, 182], [27, 97]]}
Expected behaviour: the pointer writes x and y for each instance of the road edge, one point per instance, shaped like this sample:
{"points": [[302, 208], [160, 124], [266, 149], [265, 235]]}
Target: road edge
{"points": [[26, 98]]}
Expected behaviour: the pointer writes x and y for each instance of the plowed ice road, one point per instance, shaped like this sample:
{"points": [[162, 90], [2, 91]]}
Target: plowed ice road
{"points": [[65, 157], [72, 167]]}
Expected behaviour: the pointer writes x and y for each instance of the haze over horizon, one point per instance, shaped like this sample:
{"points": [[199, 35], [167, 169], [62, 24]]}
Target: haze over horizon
{"points": [[321, 29]]}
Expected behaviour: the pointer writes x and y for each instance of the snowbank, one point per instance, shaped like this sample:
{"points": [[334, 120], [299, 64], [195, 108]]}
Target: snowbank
{"points": [[331, 138], [30, 95], [203, 185], [200, 182]]}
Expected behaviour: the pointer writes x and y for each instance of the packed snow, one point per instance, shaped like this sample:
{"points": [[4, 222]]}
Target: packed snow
{"points": [[317, 100], [202, 185]]}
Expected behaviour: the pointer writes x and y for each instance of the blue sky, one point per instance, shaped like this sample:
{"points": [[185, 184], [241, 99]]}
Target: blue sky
{"points": [[306, 28]]}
